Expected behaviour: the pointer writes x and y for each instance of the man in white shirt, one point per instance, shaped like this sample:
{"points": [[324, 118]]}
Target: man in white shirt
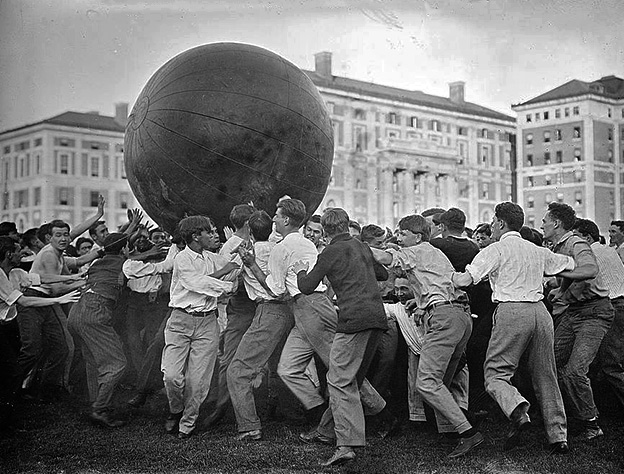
{"points": [[522, 325], [616, 237], [13, 283], [192, 332], [610, 357], [273, 318]]}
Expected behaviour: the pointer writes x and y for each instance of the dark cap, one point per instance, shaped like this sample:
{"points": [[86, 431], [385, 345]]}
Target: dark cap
{"points": [[454, 219]]}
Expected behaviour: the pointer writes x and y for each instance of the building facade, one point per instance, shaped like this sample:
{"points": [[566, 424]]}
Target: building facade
{"points": [[398, 151], [57, 168], [570, 149]]}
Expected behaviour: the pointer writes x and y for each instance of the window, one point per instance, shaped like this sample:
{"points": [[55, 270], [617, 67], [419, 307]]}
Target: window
{"points": [[395, 182], [93, 198], [122, 166], [414, 122], [529, 139], [529, 160], [578, 198], [359, 138], [119, 146], [557, 113], [538, 117], [5, 200], [338, 132], [359, 114], [610, 134], [546, 157], [530, 182], [609, 112], [485, 154], [575, 110], [463, 150], [392, 118], [567, 111], [64, 164], [577, 132], [610, 156], [95, 166], [123, 200], [485, 190], [330, 107], [63, 196], [435, 126], [392, 134], [547, 198], [528, 118], [63, 141], [7, 149], [559, 155], [558, 135], [577, 154], [530, 202], [560, 197], [38, 141], [483, 133], [462, 131], [578, 176], [547, 136], [546, 115], [37, 197], [547, 180]]}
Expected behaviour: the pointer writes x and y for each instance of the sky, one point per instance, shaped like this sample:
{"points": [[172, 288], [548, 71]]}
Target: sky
{"points": [[87, 55]]}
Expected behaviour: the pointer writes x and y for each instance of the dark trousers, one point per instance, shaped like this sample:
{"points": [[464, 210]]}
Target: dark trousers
{"points": [[43, 343]]}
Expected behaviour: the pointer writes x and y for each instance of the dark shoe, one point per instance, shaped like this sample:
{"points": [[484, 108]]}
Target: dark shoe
{"points": [[184, 436], [520, 421], [172, 422], [560, 447], [590, 432], [253, 435], [138, 400], [343, 454], [390, 428], [315, 437], [106, 419], [466, 444], [214, 418]]}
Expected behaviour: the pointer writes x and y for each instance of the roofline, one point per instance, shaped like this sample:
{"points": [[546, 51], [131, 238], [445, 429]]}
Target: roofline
{"points": [[585, 95], [50, 122], [430, 106]]}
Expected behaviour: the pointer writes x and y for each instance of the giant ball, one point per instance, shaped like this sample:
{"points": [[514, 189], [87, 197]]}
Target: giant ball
{"points": [[224, 124]]}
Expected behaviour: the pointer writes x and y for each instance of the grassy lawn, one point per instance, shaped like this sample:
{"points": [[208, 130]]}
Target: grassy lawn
{"points": [[58, 438]]}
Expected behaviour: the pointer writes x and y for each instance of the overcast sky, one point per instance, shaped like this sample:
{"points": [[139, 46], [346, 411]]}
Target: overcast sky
{"points": [[85, 55]]}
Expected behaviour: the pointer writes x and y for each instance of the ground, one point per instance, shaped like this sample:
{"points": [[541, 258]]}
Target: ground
{"points": [[58, 438]]}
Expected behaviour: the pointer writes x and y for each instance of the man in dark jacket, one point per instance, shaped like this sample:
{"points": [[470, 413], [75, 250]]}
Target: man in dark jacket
{"points": [[352, 271]]}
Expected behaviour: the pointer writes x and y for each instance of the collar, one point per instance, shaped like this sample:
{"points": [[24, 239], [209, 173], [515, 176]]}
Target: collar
{"points": [[340, 237], [511, 233], [563, 238], [194, 255]]}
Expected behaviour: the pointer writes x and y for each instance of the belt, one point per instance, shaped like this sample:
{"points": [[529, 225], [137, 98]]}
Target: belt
{"points": [[296, 297], [439, 304], [263, 301], [200, 314]]}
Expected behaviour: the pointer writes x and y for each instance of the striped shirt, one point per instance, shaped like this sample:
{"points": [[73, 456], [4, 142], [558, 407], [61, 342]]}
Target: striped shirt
{"points": [[610, 268]]}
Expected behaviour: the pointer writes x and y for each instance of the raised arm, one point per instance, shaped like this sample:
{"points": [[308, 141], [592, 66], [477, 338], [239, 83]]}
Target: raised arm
{"points": [[84, 226]]}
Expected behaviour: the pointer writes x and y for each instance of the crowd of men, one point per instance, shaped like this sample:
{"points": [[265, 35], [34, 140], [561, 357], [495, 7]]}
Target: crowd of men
{"points": [[365, 326]]}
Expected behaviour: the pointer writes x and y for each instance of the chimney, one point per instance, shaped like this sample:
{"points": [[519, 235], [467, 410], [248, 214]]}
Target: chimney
{"points": [[456, 92], [121, 113], [322, 63]]}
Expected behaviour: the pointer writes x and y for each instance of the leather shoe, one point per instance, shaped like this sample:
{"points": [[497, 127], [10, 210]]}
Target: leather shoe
{"points": [[560, 447], [466, 444], [253, 435], [315, 437], [184, 436], [172, 422], [106, 419], [343, 454], [138, 400], [520, 423]]}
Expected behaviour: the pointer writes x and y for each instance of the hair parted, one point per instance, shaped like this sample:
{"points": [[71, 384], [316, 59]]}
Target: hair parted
{"points": [[294, 209]]}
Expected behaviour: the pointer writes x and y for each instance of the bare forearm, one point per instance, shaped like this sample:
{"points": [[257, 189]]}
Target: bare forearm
{"points": [[582, 272]]}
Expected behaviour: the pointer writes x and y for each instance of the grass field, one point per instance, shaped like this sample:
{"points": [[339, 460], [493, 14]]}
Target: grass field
{"points": [[58, 438]]}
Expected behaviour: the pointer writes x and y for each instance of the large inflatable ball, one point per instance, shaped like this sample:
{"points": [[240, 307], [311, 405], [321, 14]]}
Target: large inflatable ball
{"points": [[224, 124]]}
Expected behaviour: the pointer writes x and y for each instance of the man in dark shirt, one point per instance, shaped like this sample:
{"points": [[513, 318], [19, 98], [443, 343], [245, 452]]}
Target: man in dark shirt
{"points": [[458, 249], [353, 273]]}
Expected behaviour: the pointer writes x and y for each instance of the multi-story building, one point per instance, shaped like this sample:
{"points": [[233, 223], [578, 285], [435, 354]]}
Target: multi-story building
{"points": [[570, 149], [399, 151], [56, 168]]}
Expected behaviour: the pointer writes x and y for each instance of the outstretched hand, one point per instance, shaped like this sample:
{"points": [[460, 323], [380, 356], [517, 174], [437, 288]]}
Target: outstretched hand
{"points": [[71, 297]]}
